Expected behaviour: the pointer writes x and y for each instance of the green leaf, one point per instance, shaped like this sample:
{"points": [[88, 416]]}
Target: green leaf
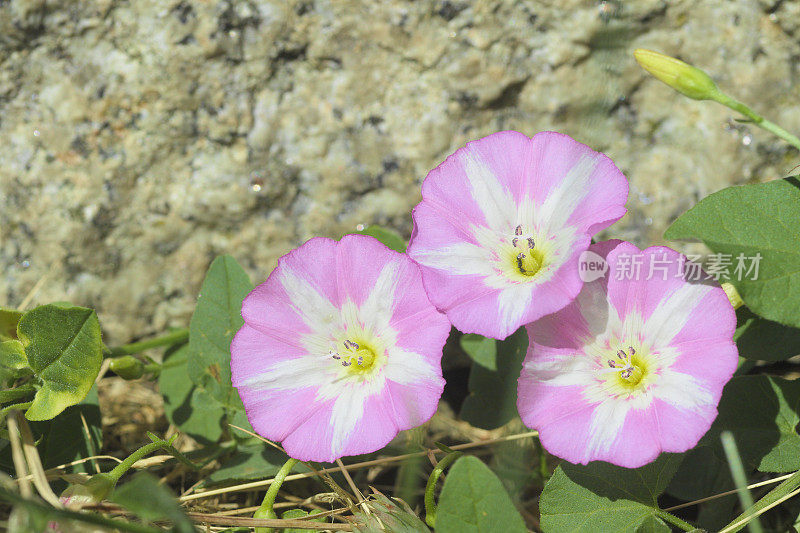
{"points": [[216, 319], [252, 462], [482, 350], [701, 473], [754, 219], [389, 515], [13, 362], [12, 355], [387, 236], [764, 340], [8, 322], [190, 408], [603, 497], [295, 514], [653, 524], [65, 350], [771, 497], [474, 501], [148, 499], [762, 413], [493, 393], [66, 438]]}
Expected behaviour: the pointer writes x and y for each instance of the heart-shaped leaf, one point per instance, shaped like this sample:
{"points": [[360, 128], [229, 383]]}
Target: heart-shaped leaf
{"points": [[480, 349], [762, 412], [186, 405], [493, 393], [216, 319], [754, 221], [764, 340], [8, 323], [75, 434], [473, 500], [387, 236], [604, 497], [64, 348], [252, 462], [147, 498]]}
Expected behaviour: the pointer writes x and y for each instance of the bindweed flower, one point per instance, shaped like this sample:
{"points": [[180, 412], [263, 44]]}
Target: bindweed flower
{"points": [[340, 349], [502, 223], [635, 366]]}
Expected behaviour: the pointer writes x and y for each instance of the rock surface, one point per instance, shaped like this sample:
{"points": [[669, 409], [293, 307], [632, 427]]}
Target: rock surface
{"points": [[140, 139]]}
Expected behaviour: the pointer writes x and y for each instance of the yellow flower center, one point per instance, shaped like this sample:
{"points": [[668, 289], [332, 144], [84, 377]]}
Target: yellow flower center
{"points": [[357, 357], [524, 259], [629, 371]]}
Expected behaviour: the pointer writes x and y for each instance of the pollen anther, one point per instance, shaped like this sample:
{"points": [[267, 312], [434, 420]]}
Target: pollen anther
{"points": [[350, 345]]}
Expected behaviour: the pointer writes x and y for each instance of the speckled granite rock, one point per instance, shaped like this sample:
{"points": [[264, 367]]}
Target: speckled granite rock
{"points": [[138, 140]]}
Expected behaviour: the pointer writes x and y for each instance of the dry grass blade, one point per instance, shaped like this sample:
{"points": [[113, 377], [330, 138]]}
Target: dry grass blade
{"points": [[34, 462], [746, 519], [267, 522], [259, 437], [18, 457], [90, 442], [727, 493], [326, 478], [36, 288], [55, 472], [354, 466], [353, 487]]}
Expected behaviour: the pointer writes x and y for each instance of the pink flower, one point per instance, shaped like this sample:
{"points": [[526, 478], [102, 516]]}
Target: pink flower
{"points": [[635, 366], [340, 349], [501, 225]]}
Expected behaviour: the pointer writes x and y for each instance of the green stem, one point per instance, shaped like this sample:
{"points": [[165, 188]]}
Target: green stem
{"points": [[119, 470], [739, 477], [169, 448], [430, 503], [174, 337], [675, 521], [757, 119], [9, 395], [266, 510], [544, 471], [152, 368]]}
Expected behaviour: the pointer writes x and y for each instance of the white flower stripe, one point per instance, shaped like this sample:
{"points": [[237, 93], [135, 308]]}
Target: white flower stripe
{"points": [[672, 313], [313, 307], [607, 421], [562, 201], [493, 199]]}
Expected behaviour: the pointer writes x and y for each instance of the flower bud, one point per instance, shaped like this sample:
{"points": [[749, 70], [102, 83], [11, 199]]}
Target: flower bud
{"points": [[682, 77], [127, 367], [95, 490], [733, 295]]}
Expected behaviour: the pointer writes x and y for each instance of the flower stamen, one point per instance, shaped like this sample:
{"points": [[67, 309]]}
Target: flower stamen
{"points": [[528, 260], [361, 358], [630, 370]]}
